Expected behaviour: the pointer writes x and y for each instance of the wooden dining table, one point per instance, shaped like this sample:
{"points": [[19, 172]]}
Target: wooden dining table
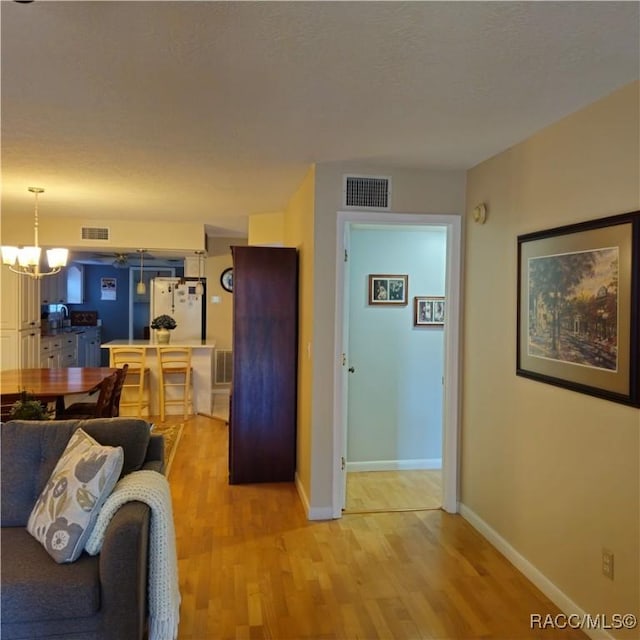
{"points": [[53, 384]]}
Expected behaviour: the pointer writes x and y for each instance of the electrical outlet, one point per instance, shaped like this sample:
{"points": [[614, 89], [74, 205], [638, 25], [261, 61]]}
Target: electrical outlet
{"points": [[607, 563]]}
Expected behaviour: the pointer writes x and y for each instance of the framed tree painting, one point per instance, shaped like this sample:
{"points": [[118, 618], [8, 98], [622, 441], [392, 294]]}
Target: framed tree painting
{"points": [[578, 307]]}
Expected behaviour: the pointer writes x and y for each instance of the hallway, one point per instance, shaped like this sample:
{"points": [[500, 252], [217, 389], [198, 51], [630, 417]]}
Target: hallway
{"points": [[252, 566]]}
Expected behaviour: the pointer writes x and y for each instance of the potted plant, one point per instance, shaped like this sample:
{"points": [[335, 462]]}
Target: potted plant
{"points": [[28, 408], [163, 324]]}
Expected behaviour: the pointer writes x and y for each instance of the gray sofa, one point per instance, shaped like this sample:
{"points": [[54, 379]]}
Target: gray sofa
{"points": [[103, 596]]}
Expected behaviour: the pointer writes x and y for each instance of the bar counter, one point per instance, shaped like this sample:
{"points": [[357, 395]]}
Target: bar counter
{"points": [[202, 377]]}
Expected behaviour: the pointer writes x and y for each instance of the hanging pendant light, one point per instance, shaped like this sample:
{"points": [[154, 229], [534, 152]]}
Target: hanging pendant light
{"points": [[28, 258], [141, 287], [199, 285]]}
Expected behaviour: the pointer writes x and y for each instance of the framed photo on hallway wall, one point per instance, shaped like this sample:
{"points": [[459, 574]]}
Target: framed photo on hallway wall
{"points": [[578, 307], [384, 289], [428, 311]]}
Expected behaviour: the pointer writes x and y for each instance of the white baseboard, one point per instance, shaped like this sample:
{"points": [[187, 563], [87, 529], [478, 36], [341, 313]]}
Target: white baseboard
{"points": [[558, 597], [313, 513], [395, 465]]}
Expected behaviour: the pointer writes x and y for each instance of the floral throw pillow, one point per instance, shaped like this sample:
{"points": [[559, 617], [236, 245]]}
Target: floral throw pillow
{"points": [[63, 517]]}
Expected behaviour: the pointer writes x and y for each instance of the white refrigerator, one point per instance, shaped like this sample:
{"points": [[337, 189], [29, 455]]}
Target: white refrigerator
{"points": [[177, 297]]}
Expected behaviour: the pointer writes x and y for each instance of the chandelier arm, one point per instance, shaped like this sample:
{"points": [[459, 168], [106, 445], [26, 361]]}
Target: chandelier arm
{"points": [[36, 273], [53, 271]]}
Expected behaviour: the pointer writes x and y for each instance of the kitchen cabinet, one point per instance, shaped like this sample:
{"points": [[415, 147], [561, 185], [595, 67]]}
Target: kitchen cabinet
{"points": [[59, 351], [69, 350], [75, 284], [54, 288], [29, 340], [29, 297], [89, 347], [20, 297], [9, 357], [19, 320], [9, 292], [64, 287], [50, 352], [81, 350], [262, 427]]}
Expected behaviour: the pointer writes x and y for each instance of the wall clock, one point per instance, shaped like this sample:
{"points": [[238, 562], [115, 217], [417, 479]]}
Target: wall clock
{"points": [[226, 279]]}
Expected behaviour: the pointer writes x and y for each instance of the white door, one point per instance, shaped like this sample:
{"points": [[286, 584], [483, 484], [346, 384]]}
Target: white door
{"points": [[350, 384]]}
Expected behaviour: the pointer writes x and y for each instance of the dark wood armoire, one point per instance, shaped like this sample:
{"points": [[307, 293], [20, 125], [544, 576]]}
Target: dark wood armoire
{"points": [[262, 423]]}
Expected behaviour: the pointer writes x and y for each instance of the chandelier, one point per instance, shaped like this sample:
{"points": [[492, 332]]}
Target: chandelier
{"points": [[28, 258]]}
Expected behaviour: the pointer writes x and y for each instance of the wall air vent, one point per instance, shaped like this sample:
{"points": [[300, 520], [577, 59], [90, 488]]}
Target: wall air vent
{"points": [[95, 233], [367, 192], [224, 366]]}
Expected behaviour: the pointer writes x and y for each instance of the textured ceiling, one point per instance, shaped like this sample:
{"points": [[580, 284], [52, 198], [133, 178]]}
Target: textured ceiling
{"points": [[211, 111]]}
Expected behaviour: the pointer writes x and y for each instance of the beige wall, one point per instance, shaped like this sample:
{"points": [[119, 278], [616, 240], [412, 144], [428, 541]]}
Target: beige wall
{"points": [[66, 232], [414, 191], [555, 473], [298, 232], [266, 229], [220, 315]]}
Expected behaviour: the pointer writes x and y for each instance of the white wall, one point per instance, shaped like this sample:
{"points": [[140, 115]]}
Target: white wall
{"points": [[395, 393]]}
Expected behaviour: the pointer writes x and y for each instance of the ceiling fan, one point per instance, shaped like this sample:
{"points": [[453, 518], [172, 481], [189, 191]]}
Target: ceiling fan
{"points": [[122, 260]]}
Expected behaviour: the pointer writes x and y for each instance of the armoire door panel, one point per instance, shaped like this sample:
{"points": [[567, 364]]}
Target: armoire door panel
{"points": [[263, 415]]}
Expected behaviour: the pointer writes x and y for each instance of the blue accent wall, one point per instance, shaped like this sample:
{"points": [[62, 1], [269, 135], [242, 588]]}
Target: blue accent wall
{"points": [[113, 313]]}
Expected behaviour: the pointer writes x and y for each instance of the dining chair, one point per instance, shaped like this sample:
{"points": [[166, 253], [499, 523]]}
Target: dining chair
{"points": [[135, 391], [117, 391], [175, 378], [88, 410], [6, 404]]}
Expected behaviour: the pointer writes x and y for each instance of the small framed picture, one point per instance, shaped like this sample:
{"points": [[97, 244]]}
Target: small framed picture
{"points": [[429, 311], [384, 289], [108, 288]]}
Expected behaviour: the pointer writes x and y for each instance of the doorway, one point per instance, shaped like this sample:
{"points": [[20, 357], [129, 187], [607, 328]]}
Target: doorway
{"points": [[395, 366], [395, 431]]}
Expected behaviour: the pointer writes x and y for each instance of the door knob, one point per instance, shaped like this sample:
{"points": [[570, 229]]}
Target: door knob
{"points": [[351, 369]]}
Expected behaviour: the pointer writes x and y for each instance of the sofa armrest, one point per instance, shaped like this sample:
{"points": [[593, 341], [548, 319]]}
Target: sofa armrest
{"points": [[155, 449], [154, 465], [123, 572]]}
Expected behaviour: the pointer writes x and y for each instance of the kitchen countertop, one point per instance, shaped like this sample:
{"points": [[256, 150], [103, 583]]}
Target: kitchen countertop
{"points": [[52, 333], [123, 342]]}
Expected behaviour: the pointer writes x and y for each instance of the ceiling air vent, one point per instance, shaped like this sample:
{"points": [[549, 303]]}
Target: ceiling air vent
{"points": [[367, 192], [95, 233]]}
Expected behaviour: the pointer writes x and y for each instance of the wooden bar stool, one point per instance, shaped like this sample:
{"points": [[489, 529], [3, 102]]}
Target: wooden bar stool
{"points": [[174, 373], [135, 389]]}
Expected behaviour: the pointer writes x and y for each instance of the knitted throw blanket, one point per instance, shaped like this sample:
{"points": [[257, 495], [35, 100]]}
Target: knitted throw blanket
{"points": [[151, 488]]}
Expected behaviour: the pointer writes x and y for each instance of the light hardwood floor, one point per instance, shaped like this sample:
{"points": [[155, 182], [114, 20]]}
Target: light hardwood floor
{"points": [[252, 566], [371, 491]]}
